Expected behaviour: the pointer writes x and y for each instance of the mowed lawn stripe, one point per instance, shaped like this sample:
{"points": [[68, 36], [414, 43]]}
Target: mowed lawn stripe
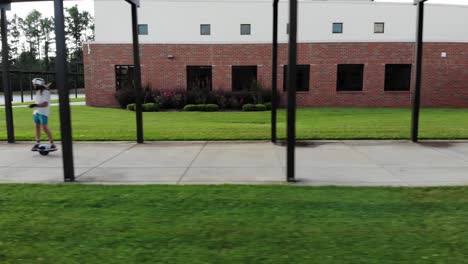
{"points": [[91, 123], [232, 224]]}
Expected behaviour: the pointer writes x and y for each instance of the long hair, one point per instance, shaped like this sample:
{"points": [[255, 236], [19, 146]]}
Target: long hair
{"points": [[41, 88]]}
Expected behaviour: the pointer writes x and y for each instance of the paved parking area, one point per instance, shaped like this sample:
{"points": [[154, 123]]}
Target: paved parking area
{"points": [[351, 163]]}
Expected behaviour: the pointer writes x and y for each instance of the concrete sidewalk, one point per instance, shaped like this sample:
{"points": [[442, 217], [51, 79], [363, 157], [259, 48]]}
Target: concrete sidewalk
{"points": [[351, 163]]}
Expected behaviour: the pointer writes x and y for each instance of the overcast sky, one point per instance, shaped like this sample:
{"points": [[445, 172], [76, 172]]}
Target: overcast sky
{"points": [[46, 8]]}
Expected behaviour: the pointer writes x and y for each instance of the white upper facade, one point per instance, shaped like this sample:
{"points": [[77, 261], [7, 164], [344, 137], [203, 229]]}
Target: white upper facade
{"points": [[178, 21]]}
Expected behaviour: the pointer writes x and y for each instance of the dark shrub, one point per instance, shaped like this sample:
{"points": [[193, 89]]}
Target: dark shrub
{"points": [[179, 99], [244, 97], [233, 103], [148, 95], [221, 99], [266, 95], [197, 96], [252, 107], [131, 107], [268, 106], [125, 96], [166, 100]]}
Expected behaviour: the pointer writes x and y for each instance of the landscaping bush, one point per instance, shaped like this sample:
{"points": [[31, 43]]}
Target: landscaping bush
{"points": [[191, 107], [150, 107], [235, 100], [170, 99], [148, 94], [268, 106], [211, 108], [201, 107], [131, 107], [252, 107], [233, 103], [197, 96], [125, 96]]}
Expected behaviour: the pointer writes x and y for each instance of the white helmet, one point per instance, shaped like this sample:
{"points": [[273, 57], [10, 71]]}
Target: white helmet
{"points": [[38, 81]]}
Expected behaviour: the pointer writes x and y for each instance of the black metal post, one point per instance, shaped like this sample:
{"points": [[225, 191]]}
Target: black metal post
{"points": [[63, 89], [136, 59], [274, 73], [6, 79], [417, 83], [291, 116]]}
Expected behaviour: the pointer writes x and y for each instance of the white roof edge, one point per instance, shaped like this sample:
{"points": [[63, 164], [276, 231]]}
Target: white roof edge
{"points": [[303, 1]]}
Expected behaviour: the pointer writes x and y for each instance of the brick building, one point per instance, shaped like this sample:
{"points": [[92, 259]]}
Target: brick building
{"points": [[350, 53]]}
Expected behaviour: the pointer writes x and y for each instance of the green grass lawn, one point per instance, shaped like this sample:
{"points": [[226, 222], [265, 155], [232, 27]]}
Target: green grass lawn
{"points": [[232, 224], [312, 123]]}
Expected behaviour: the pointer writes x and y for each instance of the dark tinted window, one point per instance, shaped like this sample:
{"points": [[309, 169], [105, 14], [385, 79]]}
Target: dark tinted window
{"points": [[205, 29], [199, 78], [142, 29], [379, 27], [337, 28], [124, 76], [302, 78], [245, 29], [244, 78], [350, 77], [397, 77]]}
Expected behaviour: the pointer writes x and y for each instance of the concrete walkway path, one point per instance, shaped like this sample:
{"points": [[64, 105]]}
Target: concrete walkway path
{"points": [[351, 163]]}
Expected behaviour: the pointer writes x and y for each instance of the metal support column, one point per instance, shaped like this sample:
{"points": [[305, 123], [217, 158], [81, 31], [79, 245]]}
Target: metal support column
{"points": [[274, 73], [6, 79], [63, 89], [291, 115], [417, 83], [136, 59]]}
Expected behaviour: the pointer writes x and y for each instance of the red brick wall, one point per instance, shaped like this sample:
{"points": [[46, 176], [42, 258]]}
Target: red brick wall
{"points": [[445, 80]]}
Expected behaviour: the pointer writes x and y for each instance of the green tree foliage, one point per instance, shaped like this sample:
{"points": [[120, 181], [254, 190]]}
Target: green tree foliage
{"points": [[79, 26], [47, 30], [13, 38], [31, 27], [31, 39]]}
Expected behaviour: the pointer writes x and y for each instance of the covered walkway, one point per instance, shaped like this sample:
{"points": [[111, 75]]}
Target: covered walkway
{"points": [[351, 163]]}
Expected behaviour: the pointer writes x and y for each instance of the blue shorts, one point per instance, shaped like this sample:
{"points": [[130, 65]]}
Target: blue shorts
{"points": [[40, 119]]}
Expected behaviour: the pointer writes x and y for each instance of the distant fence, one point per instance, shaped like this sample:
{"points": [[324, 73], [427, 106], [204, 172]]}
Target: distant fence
{"points": [[21, 81]]}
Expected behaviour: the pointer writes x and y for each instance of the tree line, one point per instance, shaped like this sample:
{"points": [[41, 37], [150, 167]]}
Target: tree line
{"points": [[31, 39]]}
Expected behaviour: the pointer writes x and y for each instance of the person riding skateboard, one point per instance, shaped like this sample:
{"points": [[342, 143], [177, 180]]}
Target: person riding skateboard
{"points": [[41, 112]]}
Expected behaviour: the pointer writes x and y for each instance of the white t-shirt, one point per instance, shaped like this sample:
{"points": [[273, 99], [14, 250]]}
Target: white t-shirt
{"points": [[42, 98]]}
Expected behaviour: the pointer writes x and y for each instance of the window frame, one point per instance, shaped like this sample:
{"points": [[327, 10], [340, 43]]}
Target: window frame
{"points": [[341, 28], [383, 27], [209, 29], [249, 29], [140, 31]]}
